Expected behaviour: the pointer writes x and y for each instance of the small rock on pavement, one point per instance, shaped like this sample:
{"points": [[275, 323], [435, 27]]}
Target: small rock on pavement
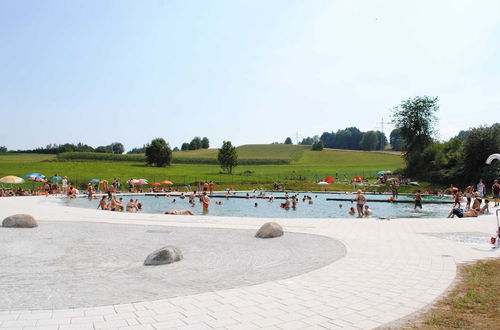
{"points": [[20, 221], [269, 230], [163, 256]]}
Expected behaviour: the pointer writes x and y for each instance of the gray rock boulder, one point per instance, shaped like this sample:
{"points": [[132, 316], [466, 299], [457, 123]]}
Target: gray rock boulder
{"points": [[163, 256], [269, 230], [20, 221]]}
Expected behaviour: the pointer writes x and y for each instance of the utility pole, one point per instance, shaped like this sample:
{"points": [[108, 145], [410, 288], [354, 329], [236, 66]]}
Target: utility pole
{"points": [[381, 123], [297, 137]]}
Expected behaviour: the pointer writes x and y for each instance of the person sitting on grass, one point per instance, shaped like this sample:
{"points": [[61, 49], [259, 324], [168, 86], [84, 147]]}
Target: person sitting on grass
{"points": [[179, 212]]}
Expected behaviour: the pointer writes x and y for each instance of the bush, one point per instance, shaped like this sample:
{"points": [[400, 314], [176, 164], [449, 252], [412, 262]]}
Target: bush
{"points": [[317, 146], [158, 153]]}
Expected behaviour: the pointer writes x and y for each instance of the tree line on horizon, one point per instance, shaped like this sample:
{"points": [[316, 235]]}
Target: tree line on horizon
{"points": [[350, 138]]}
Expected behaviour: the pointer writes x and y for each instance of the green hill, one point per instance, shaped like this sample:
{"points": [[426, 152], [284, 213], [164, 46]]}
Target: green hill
{"points": [[286, 152]]}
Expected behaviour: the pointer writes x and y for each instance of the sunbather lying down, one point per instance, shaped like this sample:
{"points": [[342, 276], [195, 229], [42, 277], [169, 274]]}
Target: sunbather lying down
{"points": [[461, 214], [179, 212]]}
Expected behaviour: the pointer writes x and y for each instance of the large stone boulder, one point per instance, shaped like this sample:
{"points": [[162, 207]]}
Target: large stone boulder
{"points": [[20, 221], [163, 256], [269, 230]]}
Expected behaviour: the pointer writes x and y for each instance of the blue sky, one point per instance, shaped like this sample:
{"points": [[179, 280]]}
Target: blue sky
{"points": [[246, 71]]}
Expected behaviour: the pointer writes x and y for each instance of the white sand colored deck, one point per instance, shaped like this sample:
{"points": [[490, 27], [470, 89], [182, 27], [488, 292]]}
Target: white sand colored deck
{"points": [[391, 269]]}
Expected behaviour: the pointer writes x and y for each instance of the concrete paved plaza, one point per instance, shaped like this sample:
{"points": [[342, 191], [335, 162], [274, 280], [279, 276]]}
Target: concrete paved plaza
{"points": [[390, 270]]}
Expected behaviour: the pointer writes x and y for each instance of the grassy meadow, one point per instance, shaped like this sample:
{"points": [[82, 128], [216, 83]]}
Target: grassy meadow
{"points": [[303, 167]]}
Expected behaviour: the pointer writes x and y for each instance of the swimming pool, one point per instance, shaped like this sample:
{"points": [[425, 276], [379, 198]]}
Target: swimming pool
{"points": [[320, 207]]}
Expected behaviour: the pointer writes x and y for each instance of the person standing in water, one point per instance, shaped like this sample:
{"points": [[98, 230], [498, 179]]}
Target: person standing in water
{"points": [[205, 200], [418, 200], [361, 200]]}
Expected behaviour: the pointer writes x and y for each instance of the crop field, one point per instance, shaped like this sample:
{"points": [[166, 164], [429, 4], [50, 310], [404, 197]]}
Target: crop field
{"points": [[305, 167]]}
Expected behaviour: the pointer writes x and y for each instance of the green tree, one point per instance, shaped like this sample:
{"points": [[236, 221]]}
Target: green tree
{"points": [[139, 150], [396, 140], [195, 143], [117, 148], [317, 146], [227, 157], [185, 146], [415, 118], [480, 144], [382, 140], [369, 141], [288, 140], [104, 149], [158, 153], [3, 149], [205, 144]]}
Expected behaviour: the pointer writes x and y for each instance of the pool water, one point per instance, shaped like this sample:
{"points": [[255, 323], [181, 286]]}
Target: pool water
{"points": [[320, 208]]}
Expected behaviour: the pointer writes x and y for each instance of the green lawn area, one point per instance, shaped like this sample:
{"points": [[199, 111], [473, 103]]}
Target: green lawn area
{"points": [[307, 167]]}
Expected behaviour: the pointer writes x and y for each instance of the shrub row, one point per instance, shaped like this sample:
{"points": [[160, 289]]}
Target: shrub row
{"points": [[101, 156], [176, 160]]}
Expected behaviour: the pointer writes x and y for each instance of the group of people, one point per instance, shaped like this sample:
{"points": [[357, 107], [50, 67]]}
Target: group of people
{"points": [[110, 203], [474, 200], [361, 207]]}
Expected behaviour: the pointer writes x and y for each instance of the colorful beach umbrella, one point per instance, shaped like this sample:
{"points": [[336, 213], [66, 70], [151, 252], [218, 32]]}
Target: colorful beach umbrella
{"points": [[156, 184], [142, 181], [322, 182], [330, 179], [167, 182], [94, 180], [34, 175], [11, 179]]}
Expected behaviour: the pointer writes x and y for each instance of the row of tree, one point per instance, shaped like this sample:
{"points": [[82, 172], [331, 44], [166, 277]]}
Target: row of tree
{"points": [[196, 143], [114, 148], [349, 138], [459, 161], [158, 153]]}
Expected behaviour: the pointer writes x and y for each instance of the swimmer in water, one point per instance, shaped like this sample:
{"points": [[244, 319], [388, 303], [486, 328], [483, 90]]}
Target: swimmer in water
{"points": [[368, 211], [352, 211]]}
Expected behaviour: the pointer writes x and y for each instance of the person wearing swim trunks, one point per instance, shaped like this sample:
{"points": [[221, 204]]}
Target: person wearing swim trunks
{"points": [[481, 188], [496, 192], [458, 198], [361, 200], [468, 194], [461, 214], [418, 200]]}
